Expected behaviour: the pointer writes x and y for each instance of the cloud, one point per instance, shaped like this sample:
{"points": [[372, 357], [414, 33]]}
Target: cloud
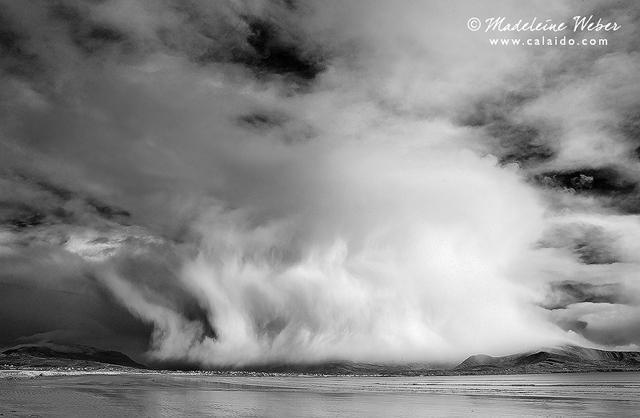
{"points": [[246, 182]]}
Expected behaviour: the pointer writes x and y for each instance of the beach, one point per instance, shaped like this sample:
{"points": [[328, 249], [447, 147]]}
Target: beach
{"points": [[196, 395]]}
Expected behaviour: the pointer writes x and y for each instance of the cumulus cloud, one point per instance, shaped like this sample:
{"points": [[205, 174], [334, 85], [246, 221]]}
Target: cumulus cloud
{"points": [[245, 182]]}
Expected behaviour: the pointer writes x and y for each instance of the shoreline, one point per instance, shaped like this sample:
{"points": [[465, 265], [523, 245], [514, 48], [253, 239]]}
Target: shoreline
{"points": [[18, 373]]}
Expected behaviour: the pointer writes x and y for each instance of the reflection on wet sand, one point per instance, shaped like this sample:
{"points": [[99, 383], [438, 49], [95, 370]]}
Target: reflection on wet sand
{"points": [[156, 395]]}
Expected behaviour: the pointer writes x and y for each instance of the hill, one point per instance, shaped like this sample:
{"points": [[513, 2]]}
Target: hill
{"points": [[65, 356], [567, 358]]}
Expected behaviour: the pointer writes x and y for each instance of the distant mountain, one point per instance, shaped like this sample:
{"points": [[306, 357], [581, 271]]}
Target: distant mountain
{"points": [[346, 368], [552, 360], [73, 356], [565, 358]]}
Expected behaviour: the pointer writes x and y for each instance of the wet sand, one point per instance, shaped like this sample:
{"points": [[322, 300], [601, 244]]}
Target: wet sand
{"points": [[176, 395]]}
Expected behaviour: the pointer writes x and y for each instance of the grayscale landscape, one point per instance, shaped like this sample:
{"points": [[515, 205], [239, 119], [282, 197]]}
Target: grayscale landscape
{"points": [[319, 208]]}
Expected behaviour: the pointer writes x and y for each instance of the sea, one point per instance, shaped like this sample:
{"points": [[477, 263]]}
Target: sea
{"points": [[613, 394]]}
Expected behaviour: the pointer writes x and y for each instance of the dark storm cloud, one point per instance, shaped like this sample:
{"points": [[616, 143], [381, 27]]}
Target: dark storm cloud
{"points": [[271, 54], [616, 187], [563, 294], [600, 181], [42, 300], [572, 109], [521, 144], [88, 36], [262, 121], [571, 297], [630, 128], [17, 60]]}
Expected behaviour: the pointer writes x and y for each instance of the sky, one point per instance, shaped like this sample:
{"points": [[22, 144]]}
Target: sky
{"points": [[228, 183]]}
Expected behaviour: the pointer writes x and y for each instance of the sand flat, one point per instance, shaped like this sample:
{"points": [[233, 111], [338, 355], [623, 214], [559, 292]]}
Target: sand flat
{"points": [[188, 394]]}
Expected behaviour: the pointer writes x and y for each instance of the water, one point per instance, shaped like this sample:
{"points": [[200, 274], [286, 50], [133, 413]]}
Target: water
{"points": [[551, 395]]}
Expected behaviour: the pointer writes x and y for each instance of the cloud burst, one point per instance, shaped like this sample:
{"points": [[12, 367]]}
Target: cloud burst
{"points": [[229, 183]]}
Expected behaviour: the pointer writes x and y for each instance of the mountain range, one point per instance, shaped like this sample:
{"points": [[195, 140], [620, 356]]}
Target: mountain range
{"points": [[568, 358]]}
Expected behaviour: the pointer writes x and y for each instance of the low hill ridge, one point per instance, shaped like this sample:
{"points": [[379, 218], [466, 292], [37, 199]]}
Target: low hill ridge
{"points": [[564, 358], [567, 358], [56, 355]]}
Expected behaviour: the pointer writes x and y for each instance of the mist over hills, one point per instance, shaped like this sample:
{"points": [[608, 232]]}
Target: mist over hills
{"points": [[565, 359]]}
